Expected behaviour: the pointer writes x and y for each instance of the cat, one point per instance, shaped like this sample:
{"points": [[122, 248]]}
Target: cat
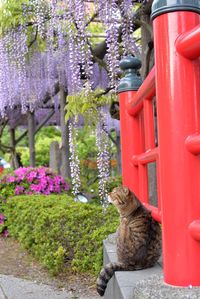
{"points": [[138, 237]]}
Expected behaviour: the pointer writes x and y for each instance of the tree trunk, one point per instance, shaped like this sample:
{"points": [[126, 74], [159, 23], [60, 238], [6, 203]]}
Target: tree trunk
{"points": [[119, 162], [147, 42], [65, 154], [31, 137], [13, 151]]}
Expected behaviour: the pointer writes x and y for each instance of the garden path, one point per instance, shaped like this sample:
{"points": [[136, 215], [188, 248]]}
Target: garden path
{"points": [[21, 277]]}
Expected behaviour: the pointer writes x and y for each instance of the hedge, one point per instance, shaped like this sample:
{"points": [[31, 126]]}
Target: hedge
{"points": [[60, 232]]}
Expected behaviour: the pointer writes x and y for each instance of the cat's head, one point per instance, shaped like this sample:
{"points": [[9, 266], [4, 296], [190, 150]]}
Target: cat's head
{"points": [[123, 199]]}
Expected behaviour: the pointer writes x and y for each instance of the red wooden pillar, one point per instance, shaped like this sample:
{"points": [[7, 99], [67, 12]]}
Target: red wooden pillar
{"points": [[178, 113]]}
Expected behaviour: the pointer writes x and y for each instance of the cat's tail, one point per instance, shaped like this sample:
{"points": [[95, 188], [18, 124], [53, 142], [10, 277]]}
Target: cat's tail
{"points": [[106, 274]]}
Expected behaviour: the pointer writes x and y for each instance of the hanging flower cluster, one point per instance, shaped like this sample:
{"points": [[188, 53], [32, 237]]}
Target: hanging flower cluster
{"points": [[103, 157], [128, 42], [40, 11], [13, 50], [109, 14], [74, 159]]}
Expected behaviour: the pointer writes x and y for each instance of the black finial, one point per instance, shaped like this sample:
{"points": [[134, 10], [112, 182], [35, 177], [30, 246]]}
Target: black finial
{"points": [[164, 6], [131, 80]]}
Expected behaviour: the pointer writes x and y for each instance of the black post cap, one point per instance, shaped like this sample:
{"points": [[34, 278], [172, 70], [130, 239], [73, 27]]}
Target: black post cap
{"points": [[164, 6], [131, 80]]}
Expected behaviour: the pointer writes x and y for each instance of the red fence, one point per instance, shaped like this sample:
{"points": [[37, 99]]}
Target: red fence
{"points": [[175, 81]]}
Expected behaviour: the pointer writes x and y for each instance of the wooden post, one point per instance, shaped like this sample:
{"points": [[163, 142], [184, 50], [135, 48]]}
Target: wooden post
{"points": [[13, 146], [31, 137], [65, 154]]}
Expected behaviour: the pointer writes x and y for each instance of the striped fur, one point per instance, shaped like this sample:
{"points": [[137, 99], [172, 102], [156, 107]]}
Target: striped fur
{"points": [[106, 274], [138, 237]]}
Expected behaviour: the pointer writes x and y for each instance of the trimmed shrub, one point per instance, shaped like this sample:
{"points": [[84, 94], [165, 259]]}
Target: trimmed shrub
{"points": [[60, 232]]}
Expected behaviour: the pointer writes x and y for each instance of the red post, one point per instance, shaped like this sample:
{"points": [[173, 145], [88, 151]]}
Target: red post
{"points": [[178, 112], [137, 132], [131, 139], [1, 169]]}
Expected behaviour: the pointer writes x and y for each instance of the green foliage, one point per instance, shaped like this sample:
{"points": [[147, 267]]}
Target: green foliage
{"points": [[42, 146], [86, 104], [113, 182], [7, 189], [60, 232], [96, 29], [5, 140], [43, 140], [87, 152], [42, 150], [11, 14]]}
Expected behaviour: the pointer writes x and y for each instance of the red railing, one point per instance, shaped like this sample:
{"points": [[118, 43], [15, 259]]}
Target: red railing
{"points": [[175, 81]]}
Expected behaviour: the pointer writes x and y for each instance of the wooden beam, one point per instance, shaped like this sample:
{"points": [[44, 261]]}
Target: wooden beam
{"points": [[39, 126]]}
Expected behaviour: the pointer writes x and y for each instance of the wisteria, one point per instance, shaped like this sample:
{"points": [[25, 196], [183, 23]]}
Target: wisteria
{"points": [[103, 157], [40, 10], [128, 41], [109, 15], [74, 159], [67, 55]]}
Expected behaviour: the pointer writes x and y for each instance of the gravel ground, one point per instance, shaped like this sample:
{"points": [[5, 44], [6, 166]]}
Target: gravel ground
{"points": [[18, 263], [154, 287]]}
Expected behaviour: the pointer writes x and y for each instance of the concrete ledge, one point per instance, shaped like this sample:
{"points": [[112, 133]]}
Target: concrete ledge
{"points": [[122, 285], [142, 284]]}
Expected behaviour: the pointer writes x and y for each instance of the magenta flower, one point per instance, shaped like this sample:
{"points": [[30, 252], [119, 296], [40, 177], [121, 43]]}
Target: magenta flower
{"points": [[19, 190], [41, 172], [41, 180], [21, 171], [11, 179], [57, 189], [2, 218], [36, 188], [32, 174]]}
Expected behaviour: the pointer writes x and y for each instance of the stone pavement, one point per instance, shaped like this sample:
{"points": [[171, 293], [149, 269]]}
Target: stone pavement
{"points": [[16, 288]]}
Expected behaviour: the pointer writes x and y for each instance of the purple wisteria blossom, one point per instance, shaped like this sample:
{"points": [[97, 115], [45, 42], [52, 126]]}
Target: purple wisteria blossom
{"points": [[28, 74], [103, 157]]}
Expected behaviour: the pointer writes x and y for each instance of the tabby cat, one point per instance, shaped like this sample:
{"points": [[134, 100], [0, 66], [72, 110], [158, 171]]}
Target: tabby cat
{"points": [[138, 237]]}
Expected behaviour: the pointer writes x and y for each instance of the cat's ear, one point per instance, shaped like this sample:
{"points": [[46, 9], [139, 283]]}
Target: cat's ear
{"points": [[126, 190]]}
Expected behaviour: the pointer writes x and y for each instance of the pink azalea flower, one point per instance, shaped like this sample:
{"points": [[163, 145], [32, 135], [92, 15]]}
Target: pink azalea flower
{"points": [[11, 179], [37, 180], [19, 190]]}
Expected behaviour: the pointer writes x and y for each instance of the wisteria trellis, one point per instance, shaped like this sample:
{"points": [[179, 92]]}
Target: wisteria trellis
{"points": [[28, 70]]}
